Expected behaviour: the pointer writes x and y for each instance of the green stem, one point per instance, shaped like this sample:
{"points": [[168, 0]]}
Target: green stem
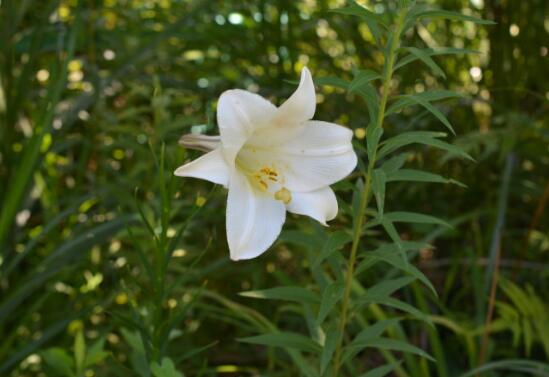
{"points": [[365, 195]]}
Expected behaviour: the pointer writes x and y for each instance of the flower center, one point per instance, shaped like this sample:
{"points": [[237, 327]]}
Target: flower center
{"points": [[264, 176]]}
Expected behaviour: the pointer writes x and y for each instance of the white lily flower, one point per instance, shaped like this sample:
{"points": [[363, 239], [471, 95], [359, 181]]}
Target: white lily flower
{"points": [[272, 160]]}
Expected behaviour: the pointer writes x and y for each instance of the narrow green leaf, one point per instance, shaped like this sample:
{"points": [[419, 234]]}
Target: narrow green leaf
{"points": [[370, 96], [79, 351], [328, 350], [331, 295], [297, 294], [427, 96], [403, 306], [433, 52], [412, 175], [388, 287], [373, 136], [413, 217], [332, 81], [433, 110], [374, 331], [379, 180], [165, 369], [381, 371], [58, 360], [362, 78], [372, 19], [534, 368], [96, 353], [392, 254], [394, 164], [427, 60], [391, 230], [449, 15], [393, 345], [420, 137], [284, 340], [383, 290], [336, 241]]}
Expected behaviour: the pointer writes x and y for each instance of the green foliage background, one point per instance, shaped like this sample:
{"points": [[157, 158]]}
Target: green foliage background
{"points": [[91, 91]]}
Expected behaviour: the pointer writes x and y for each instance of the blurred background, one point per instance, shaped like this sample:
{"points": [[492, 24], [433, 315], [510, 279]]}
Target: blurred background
{"points": [[91, 89]]}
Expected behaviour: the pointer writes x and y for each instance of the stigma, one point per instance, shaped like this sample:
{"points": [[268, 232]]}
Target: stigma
{"points": [[284, 195]]}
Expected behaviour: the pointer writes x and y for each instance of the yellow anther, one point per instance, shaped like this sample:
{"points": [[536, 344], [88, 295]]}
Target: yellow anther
{"points": [[284, 195]]}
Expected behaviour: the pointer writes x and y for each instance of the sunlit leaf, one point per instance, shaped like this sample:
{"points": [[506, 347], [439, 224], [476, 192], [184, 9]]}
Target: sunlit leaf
{"points": [[297, 294]]}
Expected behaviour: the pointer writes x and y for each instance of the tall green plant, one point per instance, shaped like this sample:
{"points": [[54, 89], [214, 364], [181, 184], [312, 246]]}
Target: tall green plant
{"points": [[333, 309]]}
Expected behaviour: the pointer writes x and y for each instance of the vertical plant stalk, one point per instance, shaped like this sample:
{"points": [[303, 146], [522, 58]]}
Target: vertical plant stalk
{"points": [[365, 194], [492, 273]]}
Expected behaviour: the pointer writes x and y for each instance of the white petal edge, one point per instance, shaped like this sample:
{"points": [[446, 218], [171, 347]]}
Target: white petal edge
{"points": [[254, 220], [239, 114], [320, 204], [211, 167], [301, 105]]}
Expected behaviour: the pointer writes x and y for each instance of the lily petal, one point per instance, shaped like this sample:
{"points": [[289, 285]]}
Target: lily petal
{"points": [[254, 220], [301, 105], [239, 114], [318, 156], [320, 204], [211, 167]]}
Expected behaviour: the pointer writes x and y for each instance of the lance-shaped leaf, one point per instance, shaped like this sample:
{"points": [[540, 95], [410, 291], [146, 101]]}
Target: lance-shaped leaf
{"points": [[383, 289], [378, 186], [373, 20], [334, 243], [328, 350], [412, 175], [381, 371], [392, 254], [413, 217], [330, 296], [428, 96], [424, 12], [370, 96], [433, 110], [362, 78], [394, 164], [391, 345], [284, 340], [426, 59], [420, 137], [433, 52], [297, 294], [332, 81], [373, 331]]}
